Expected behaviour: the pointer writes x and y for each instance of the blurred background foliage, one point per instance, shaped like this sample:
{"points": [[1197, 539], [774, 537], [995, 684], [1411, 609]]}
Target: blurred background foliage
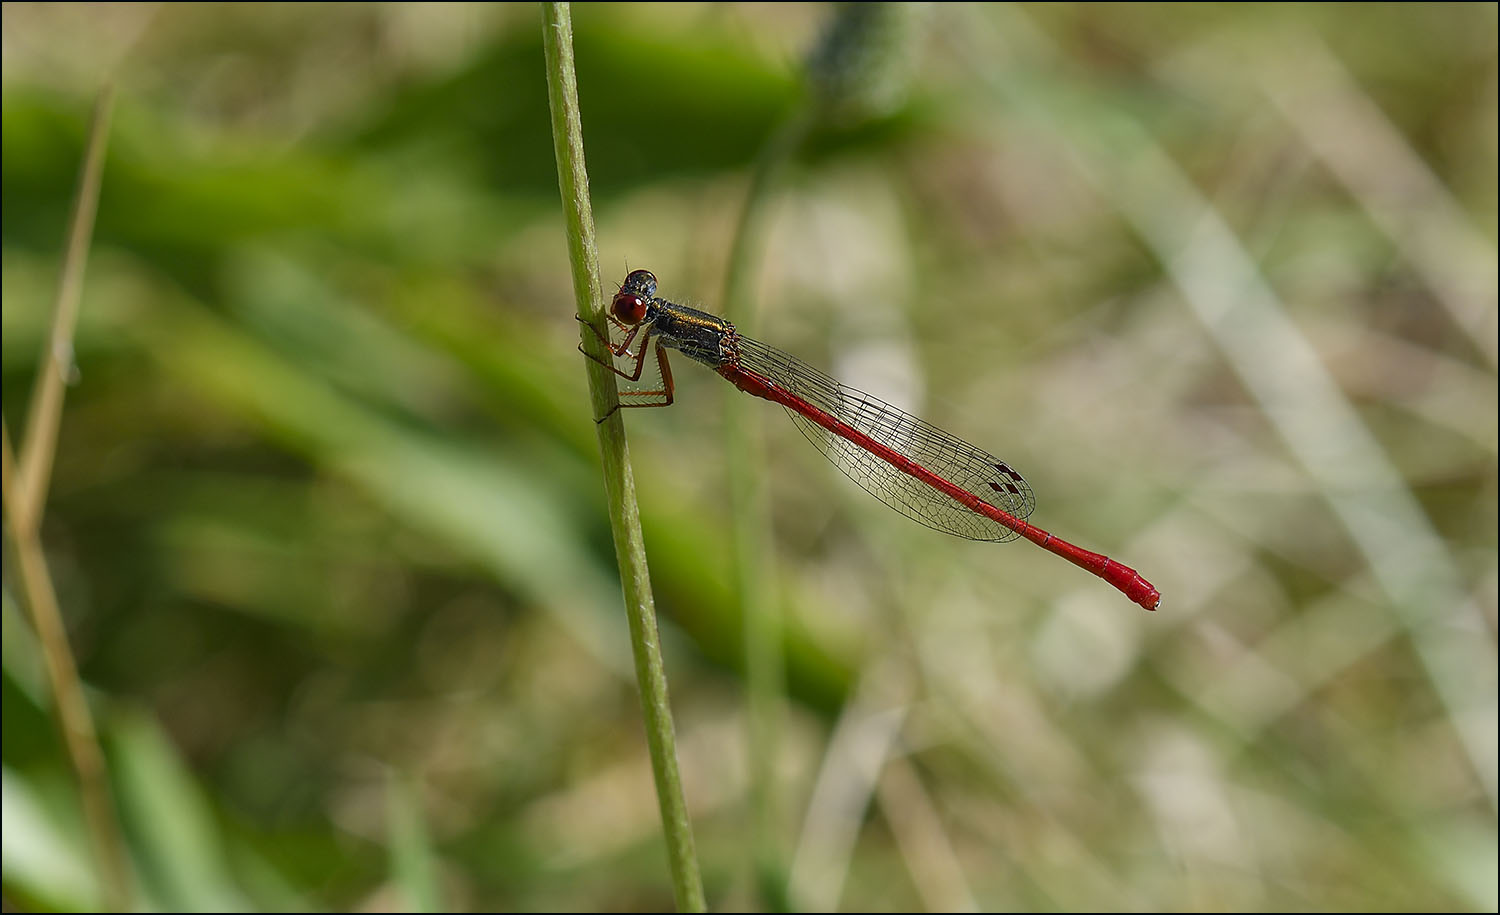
{"points": [[329, 535]]}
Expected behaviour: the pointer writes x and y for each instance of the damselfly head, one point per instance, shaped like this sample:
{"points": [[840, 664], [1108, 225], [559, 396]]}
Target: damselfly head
{"points": [[641, 283], [629, 304]]}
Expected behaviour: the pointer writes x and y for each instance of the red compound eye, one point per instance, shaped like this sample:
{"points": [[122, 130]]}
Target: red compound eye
{"points": [[629, 308]]}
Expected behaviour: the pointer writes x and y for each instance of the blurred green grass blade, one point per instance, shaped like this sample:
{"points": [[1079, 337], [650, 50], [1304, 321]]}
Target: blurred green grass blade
{"points": [[288, 303], [475, 501], [706, 103], [270, 890], [166, 814], [437, 171], [44, 863], [20, 655], [413, 861], [1463, 854], [183, 202]]}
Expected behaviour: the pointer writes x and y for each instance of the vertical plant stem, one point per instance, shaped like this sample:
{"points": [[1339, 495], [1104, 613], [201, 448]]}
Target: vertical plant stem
{"points": [[619, 484], [855, 70], [24, 483], [754, 581]]}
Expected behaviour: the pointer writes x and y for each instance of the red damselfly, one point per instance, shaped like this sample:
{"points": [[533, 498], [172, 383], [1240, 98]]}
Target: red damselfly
{"points": [[918, 469]]}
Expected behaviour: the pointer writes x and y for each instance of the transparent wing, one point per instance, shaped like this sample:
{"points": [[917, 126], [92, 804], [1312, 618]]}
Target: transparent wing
{"points": [[979, 472]]}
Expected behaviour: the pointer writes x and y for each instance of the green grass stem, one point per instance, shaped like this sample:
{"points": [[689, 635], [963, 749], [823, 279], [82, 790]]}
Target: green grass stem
{"points": [[619, 484], [753, 566]]}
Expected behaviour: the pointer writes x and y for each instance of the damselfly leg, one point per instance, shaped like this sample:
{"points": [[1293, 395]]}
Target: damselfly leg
{"points": [[650, 396]]}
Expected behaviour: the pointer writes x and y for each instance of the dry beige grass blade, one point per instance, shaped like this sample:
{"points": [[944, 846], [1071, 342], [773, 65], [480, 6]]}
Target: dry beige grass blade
{"points": [[930, 858], [862, 742], [56, 363], [1354, 139], [25, 493]]}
